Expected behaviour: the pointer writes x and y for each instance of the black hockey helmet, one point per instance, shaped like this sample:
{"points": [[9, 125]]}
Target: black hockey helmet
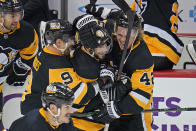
{"points": [[10, 6], [91, 34], [58, 29], [57, 93], [123, 20]]}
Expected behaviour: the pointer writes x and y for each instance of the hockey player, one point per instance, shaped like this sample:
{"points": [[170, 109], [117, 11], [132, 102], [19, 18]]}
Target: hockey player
{"points": [[53, 65], [88, 63], [160, 19], [139, 67], [57, 100], [19, 44], [94, 44]]}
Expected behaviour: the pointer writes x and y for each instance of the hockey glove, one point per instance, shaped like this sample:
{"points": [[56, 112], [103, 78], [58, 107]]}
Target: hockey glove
{"points": [[100, 12], [121, 89], [17, 76], [107, 113], [107, 72]]}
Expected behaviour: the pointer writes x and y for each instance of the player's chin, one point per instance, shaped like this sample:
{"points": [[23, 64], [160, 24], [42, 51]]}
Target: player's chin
{"points": [[122, 47], [14, 26], [67, 119], [101, 56], [67, 52]]}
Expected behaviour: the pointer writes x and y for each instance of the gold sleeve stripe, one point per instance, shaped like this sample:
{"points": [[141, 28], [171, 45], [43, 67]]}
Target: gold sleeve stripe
{"points": [[28, 87], [1, 86], [81, 124], [80, 93], [79, 110], [153, 43], [30, 51]]}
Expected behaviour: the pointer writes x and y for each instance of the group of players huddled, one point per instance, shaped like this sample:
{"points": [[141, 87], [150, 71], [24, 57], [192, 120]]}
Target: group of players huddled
{"points": [[74, 82]]}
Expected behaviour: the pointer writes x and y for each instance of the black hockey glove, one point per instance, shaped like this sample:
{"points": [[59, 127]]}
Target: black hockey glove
{"points": [[116, 91], [17, 76], [107, 76], [97, 11], [107, 113], [121, 89], [107, 72]]}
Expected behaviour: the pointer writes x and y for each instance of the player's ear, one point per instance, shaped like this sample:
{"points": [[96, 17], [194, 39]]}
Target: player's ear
{"points": [[53, 108], [89, 50], [58, 42], [0, 17]]}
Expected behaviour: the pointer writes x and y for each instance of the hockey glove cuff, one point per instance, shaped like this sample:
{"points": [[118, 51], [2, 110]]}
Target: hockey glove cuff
{"points": [[17, 76], [100, 12], [108, 113]]}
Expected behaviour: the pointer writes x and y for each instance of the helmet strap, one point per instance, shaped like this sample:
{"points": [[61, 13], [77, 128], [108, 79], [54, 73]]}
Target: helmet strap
{"points": [[90, 52], [61, 50], [55, 116]]}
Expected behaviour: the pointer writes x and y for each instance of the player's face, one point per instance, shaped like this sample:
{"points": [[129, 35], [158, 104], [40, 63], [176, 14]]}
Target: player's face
{"points": [[101, 51], [121, 37], [11, 20], [64, 116], [68, 46]]}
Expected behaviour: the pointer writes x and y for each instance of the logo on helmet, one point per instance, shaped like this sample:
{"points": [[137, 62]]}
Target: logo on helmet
{"points": [[100, 33], [55, 26], [51, 89], [15, 1]]}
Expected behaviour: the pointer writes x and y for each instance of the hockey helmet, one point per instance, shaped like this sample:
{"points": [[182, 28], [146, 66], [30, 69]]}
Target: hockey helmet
{"points": [[57, 93], [91, 34], [11, 6], [58, 29], [123, 20]]}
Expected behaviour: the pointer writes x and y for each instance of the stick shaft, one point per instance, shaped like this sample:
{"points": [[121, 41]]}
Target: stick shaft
{"points": [[126, 9], [145, 111], [171, 109]]}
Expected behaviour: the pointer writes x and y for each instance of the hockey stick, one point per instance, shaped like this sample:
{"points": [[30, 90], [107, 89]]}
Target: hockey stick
{"points": [[93, 2], [171, 109], [130, 15], [145, 111]]}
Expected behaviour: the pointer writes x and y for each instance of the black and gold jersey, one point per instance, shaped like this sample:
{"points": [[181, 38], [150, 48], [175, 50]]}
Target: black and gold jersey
{"points": [[139, 67], [22, 43], [88, 70], [160, 18], [86, 66], [49, 67], [36, 120]]}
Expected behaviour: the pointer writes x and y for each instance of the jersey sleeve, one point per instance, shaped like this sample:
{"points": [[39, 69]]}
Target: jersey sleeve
{"points": [[83, 91], [27, 54], [141, 95]]}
